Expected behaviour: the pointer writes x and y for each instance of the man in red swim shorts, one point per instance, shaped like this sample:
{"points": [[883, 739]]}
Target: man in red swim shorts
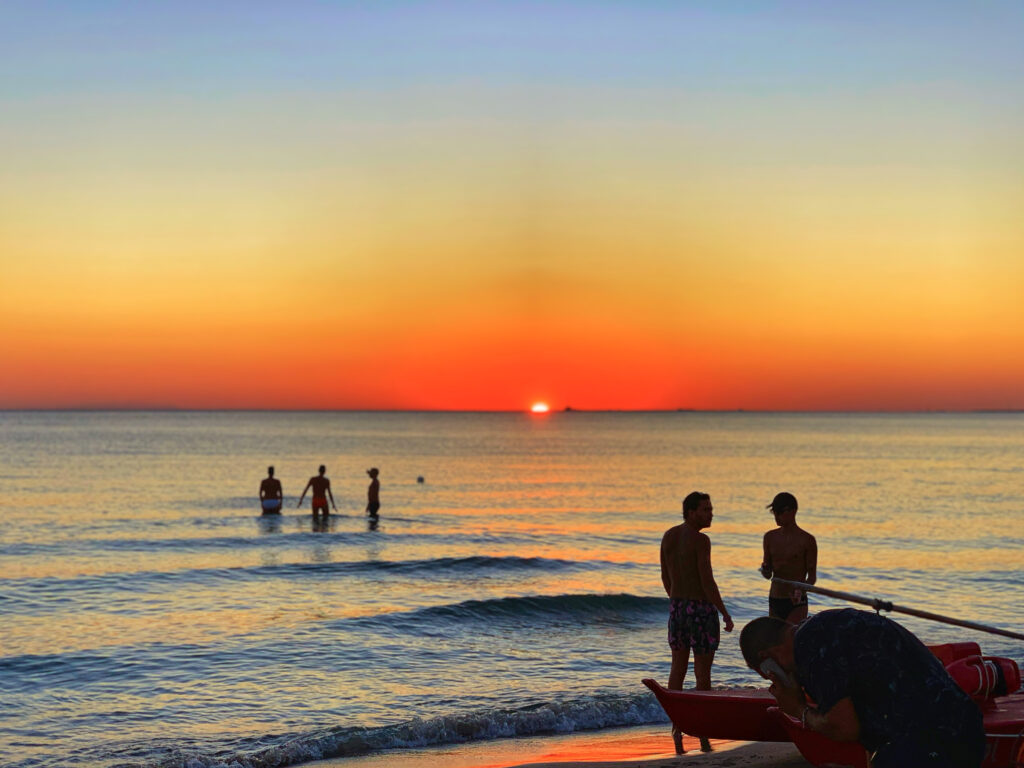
{"points": [[321, 486]]}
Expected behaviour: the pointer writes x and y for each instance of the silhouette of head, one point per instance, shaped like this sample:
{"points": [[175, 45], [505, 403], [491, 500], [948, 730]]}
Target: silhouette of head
{"points": [[373, 472], [322, 469], [270, 471], [782, 502], [759, 635], [692, 501]]}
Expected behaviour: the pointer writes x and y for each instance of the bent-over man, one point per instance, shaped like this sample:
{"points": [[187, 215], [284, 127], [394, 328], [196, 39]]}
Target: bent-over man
{"points": [[871, 681]]}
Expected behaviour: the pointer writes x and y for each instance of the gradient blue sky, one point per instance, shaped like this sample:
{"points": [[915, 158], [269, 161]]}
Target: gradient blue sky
{"points": [[569, 201]]}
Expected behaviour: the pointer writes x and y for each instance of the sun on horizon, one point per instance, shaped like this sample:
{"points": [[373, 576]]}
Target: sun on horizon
{"points": [[539, 408]]}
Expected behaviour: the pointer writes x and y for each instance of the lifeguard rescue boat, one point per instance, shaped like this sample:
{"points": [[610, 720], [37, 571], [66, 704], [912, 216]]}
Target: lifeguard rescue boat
{"points": [[751, 715]]}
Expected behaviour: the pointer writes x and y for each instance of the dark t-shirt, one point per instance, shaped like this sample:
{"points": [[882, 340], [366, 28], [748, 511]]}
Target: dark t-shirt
{"points": [[900, 690]]}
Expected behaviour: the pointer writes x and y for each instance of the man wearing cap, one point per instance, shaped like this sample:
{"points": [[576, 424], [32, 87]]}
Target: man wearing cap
{"points": [[373, 493], [790, 553]]}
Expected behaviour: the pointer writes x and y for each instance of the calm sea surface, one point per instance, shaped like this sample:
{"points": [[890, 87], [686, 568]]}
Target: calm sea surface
{"points": [[150, 616]]}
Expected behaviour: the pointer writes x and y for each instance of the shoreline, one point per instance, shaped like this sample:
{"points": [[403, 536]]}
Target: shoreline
{"points": [[631, 747]]}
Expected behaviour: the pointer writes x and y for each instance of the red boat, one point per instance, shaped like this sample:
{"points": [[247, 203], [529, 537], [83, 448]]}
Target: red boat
{"points": [[741, 714], [751, 715], [737, 714]]}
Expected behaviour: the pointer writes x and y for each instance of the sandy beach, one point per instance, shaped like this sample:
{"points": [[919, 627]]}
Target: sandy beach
{"points": [[642, 747]]}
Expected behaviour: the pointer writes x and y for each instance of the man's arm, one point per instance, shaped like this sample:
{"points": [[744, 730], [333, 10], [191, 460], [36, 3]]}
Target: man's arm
{"points": [[331, 496], [839, 723], [304, 493], [707, 578], [665, 579], [812, 561], [766, 560]]}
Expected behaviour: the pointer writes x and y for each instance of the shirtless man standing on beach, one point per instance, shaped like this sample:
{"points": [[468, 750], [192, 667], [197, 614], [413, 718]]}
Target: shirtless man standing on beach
{"points": [[694, 602], [790, 553], [321, 492]]}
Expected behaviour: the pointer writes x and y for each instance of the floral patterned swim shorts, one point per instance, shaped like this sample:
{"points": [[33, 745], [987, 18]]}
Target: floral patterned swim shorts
{"points": [[693, 624]]}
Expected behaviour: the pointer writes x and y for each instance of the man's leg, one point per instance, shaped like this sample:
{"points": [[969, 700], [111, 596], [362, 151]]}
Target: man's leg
{"points": [[680, 661], [702, 671], [798, 614]]}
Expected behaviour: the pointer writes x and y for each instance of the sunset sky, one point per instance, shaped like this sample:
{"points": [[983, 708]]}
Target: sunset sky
{"points": [[478, 205]]}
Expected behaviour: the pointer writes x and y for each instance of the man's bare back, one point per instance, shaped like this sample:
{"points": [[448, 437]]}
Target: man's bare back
{"points": [[270, 488], [319, 486], [679, 548]]}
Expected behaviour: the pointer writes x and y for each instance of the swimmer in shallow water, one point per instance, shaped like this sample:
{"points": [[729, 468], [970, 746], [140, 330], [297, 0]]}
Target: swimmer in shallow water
{"points": [[373, 493], [271, 496], [321, 486]]}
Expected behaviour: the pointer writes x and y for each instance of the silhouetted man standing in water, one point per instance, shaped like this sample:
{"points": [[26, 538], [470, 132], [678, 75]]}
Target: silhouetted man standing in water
{"points": [[271, 497], [373, 493], [321, 492], [694, 599], [790, 553]]}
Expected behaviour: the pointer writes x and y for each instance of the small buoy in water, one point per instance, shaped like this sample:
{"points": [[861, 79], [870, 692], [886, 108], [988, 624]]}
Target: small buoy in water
{"points": [[419, 479]]}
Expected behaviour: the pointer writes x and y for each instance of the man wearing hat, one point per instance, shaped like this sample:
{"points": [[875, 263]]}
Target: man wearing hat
{"points": [[373, 493], [790, 553]]}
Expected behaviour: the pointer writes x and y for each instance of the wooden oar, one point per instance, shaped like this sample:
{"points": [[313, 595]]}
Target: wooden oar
{"points": [[885, 605]]}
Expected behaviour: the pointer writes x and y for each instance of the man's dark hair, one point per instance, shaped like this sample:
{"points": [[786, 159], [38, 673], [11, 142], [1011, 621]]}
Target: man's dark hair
{"points": [[782, 502], [760, 634], [270, 471], [692, 501], [322, 469]]}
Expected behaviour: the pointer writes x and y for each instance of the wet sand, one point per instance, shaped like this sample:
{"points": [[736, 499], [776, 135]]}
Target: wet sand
{"points": [[642, 747]]}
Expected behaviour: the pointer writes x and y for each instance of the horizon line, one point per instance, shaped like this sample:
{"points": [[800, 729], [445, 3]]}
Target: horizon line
{"points": [[565, 410]]}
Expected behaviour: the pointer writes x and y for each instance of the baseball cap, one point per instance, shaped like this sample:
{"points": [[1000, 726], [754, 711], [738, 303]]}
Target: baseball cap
{"points": [[783, 501]]}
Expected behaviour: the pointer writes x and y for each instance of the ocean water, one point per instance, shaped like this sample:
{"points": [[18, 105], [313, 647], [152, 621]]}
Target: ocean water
{"points": [[151, 617]]}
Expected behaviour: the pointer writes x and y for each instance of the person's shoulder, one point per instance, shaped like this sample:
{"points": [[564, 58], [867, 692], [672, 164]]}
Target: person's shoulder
{"points": [[818, 623], [838, 617], [671, 532]]}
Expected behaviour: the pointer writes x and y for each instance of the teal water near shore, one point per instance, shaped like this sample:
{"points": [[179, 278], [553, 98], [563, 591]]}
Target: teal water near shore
{"points": [[152, 617]]}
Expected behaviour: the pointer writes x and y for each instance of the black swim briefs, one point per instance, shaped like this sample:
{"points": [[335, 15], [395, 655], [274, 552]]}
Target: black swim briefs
{"points": [[781, 607]]}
